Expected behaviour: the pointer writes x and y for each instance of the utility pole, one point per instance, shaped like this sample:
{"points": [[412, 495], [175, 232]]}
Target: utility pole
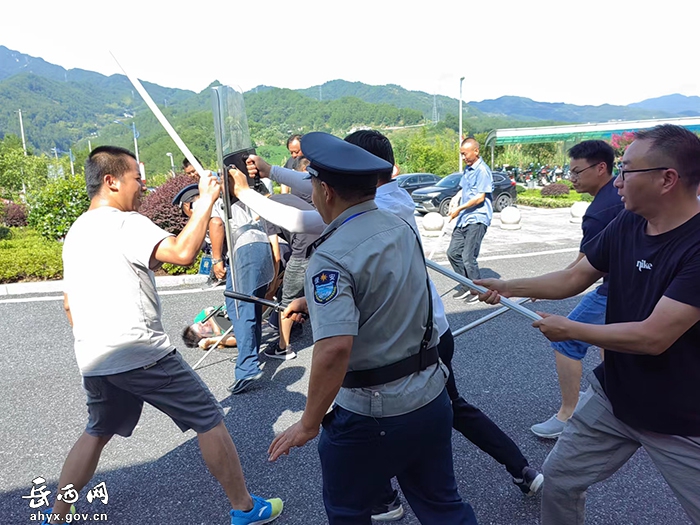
{"points": [[21, 127], [320, 93], [70, 156], [435, 113], [460, 121]]}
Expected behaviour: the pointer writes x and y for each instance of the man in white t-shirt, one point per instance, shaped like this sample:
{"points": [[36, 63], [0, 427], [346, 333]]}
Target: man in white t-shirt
{"points": [[123, 352]]}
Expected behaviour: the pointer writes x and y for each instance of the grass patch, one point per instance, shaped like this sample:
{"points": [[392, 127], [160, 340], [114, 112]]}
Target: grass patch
{"points": [[535, 198], [27, 256]]}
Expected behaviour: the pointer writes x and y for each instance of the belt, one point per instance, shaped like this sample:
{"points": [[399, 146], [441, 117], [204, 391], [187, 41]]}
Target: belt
{"points": [[386, 374]]}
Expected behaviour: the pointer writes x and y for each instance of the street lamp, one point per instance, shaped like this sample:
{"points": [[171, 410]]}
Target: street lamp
{"points": [[460, 121], [172, 163], [136, 135]]}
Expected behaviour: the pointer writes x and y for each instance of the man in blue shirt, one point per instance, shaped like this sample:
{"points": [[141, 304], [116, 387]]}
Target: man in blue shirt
{"points": [[591, 172], [473, 216]]}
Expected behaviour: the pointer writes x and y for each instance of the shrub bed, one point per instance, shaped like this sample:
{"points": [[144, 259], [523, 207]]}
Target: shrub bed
{"points": [[14, 215], [29, 256]]}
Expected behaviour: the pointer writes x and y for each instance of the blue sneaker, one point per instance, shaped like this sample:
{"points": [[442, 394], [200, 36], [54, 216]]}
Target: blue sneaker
{"points": [[263, 511], [48, 514]]}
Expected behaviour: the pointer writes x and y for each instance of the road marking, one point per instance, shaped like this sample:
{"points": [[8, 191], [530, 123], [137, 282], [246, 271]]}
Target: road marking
{"points": [[198, 290], [519, 255], [60, 297]]}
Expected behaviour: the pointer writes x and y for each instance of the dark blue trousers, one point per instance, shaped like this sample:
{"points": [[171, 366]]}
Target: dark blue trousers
{"points": [[360, 454], [464, 248]]}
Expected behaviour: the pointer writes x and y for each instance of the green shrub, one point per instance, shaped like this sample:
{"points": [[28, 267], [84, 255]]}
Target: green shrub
{"points": [[5, 233], [567, 183], [29, 256], [544, 202], [554, 190], [54, 207], [519, 189], [585, 197], [173, 269]]}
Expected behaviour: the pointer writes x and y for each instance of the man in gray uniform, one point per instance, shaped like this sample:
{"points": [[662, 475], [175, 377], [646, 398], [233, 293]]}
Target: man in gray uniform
{"points": [[368, 299]]}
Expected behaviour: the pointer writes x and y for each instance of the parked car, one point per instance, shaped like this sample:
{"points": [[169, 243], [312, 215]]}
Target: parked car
{"points": [[413, 181], [437, 198]]}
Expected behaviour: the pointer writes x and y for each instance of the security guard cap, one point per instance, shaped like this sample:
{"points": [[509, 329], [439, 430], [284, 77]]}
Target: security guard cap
{"points": [[186, 194], [337, 162]]}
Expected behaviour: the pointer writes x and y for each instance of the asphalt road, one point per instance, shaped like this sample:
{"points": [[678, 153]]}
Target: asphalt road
{"points": [[504, 367]]}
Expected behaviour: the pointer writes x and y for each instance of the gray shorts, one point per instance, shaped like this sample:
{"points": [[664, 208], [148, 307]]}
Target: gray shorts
{"points": [[293, 282], [114, 402]]}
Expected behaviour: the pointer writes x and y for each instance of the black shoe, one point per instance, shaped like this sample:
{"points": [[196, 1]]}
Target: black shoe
{"points": [[391, 511], [275, 352], [239, 385], [531, 482]]}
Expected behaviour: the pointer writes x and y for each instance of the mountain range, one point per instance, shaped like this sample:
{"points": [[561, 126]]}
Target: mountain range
{"points": [[64, 109]]}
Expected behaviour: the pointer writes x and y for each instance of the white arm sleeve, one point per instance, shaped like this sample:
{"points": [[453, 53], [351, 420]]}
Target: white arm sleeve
{"points": [[287, 217], [291, 178]]}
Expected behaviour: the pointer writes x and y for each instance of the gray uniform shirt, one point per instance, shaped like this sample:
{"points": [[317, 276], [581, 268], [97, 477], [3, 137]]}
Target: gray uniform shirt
{"points": [[368, 280]]}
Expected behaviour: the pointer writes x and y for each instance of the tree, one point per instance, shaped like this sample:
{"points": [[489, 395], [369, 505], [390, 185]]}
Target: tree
{"points": [[17, 170]]}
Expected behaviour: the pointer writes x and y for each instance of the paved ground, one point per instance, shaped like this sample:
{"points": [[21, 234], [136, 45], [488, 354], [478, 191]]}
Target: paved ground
{"points": [[504, 367]]}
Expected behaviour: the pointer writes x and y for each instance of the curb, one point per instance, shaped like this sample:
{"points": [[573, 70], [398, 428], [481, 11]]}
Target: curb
{"points": [[164, 281]]}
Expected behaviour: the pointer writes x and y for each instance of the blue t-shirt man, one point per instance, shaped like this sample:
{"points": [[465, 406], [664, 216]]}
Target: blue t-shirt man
{"points": [[474, 216], [476, 179]]}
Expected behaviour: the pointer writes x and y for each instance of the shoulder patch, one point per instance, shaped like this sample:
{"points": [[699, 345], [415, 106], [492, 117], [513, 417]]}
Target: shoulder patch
{"points": [[325, 286]]}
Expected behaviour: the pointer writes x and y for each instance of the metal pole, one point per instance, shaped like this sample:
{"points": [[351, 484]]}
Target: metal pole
{"points": [[460, 121], [89, 146], [136, 144], [161, 118], [470, 284], [21, 127], [70, 156], [172, 164], [482, 320]]}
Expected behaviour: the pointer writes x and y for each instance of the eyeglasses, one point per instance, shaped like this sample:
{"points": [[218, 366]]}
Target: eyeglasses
{"points": [[578, 173], [645, 170]]}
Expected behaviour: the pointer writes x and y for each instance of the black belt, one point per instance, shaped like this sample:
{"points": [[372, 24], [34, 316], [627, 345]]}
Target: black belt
{"points": [[386, 374]]}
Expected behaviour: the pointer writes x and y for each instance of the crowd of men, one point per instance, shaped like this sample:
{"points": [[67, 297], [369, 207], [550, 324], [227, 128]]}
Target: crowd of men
{"points": [[382, 390]]}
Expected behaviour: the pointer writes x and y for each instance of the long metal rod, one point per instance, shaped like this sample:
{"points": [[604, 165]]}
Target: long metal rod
{"points": [[470, 284], [213, 347], [161, 118], [482, 320]]}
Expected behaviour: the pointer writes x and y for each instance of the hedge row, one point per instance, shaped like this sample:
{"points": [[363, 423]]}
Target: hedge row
{"points": [[26, 255]]}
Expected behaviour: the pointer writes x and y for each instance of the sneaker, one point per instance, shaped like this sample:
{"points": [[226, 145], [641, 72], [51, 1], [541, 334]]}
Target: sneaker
{"points": [[550, 429], [391, 511], [531, 482], [263, 511], [48, 512], [471, 298], [275, 352], [238, 386], [460, 293]]}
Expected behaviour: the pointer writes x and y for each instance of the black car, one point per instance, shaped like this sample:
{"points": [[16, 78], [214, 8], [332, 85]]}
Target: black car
{"points": [[413, 181], [437, 198]]}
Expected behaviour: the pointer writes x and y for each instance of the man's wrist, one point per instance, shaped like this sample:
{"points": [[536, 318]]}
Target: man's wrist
{"points": [[216, 261]]}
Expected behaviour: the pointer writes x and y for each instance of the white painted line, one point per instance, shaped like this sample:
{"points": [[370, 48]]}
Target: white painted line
{"points": [[60, 297], [221, 289], [520, 255]]}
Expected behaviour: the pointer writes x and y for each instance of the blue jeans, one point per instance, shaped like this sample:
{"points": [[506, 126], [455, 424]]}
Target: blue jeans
{"points": [[464, 249], [360, 454], [247, 317], [590, 310]]}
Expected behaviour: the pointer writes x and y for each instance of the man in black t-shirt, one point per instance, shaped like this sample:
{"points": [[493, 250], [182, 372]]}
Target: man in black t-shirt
{"points": [[591, 172], [647, 391]]}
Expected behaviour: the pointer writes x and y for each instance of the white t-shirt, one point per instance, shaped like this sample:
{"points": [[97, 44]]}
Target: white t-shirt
{"points": [[111, 291]]}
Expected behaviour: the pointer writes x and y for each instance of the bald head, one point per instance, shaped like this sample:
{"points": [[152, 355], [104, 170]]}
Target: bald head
{"points": [[469, 151]]}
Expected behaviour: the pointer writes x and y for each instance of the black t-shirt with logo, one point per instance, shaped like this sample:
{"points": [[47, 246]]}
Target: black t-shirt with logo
{"points": [[657, 393]]}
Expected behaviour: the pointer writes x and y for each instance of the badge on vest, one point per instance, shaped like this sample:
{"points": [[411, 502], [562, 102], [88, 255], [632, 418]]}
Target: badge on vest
{"points": [[325, 286]]}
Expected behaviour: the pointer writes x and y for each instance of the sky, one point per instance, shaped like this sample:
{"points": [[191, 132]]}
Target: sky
{"points": [[590, 52]]}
